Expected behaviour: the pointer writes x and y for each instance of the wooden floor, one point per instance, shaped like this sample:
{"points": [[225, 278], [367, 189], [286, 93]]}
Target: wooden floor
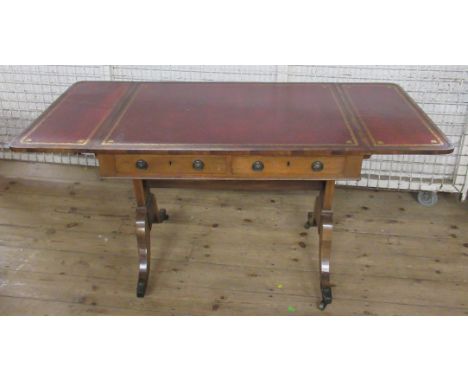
{"points": [[67, 247]]}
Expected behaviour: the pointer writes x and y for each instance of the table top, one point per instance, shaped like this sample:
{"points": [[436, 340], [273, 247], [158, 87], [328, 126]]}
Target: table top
{"points": [[299, 118]]}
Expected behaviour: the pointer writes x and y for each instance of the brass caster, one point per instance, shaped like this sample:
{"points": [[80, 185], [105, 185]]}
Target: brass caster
{"points": [[326, 298], [163, 215], [141, 289], [310, 221], [322, 305]]}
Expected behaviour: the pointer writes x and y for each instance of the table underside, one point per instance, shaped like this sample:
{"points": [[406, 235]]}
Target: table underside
{"points": [[233, 172], [149, 213]]}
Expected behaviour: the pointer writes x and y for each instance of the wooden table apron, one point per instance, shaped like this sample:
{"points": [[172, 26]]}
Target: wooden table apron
{"points": [[237, 136]]}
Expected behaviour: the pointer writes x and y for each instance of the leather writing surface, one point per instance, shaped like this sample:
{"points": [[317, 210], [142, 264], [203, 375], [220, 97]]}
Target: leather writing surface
{"points": [[318, 118], [79, 114], [232, 114], [388, 118]]}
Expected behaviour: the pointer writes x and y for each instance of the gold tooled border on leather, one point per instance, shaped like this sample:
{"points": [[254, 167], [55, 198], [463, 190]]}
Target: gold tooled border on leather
{"points": [[378, 143], [109, 142], [80, 142]]}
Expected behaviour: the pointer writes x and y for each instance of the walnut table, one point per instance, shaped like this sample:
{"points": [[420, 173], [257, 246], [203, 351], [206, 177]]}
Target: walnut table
{"points": [[234, 136]]}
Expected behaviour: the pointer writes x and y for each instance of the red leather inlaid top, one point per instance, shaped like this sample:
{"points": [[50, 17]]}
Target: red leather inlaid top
{"points": [[263, 117], [397, 122], [232, 114], [79, 114]]}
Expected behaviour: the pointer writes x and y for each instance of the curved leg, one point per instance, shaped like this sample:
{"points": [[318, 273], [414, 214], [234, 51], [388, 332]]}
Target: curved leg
{"points": [[143, 227], [147, 213], [313, 218], [322, 217], [155, 215], [325, 237]]}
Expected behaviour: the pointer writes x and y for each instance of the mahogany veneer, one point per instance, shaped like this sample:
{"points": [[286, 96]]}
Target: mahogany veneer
{"points": [[234, 135]]}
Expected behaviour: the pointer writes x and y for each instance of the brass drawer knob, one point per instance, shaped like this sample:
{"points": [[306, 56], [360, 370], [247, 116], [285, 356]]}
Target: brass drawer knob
{"points": [[141, 164], [317, 166], [198, 164], [258, 166]]}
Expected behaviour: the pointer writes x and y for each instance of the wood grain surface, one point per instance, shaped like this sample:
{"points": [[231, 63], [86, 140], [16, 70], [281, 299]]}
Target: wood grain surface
{"points": [[229, 166], [67, 247]]}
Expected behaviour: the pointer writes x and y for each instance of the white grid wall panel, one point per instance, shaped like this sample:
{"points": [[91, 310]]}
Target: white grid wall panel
{"points": [[239, 73], [442, 91]]}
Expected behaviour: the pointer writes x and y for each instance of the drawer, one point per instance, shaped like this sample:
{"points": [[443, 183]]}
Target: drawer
{"points": [[164, 165], [327, 167], [229, 166]]}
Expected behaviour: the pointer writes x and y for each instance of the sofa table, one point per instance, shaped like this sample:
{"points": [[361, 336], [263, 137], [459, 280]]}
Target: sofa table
{"points": [[254, 136]]}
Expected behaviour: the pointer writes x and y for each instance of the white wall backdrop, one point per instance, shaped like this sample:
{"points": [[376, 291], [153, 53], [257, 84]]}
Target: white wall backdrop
{"points": [[442, 91]]}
